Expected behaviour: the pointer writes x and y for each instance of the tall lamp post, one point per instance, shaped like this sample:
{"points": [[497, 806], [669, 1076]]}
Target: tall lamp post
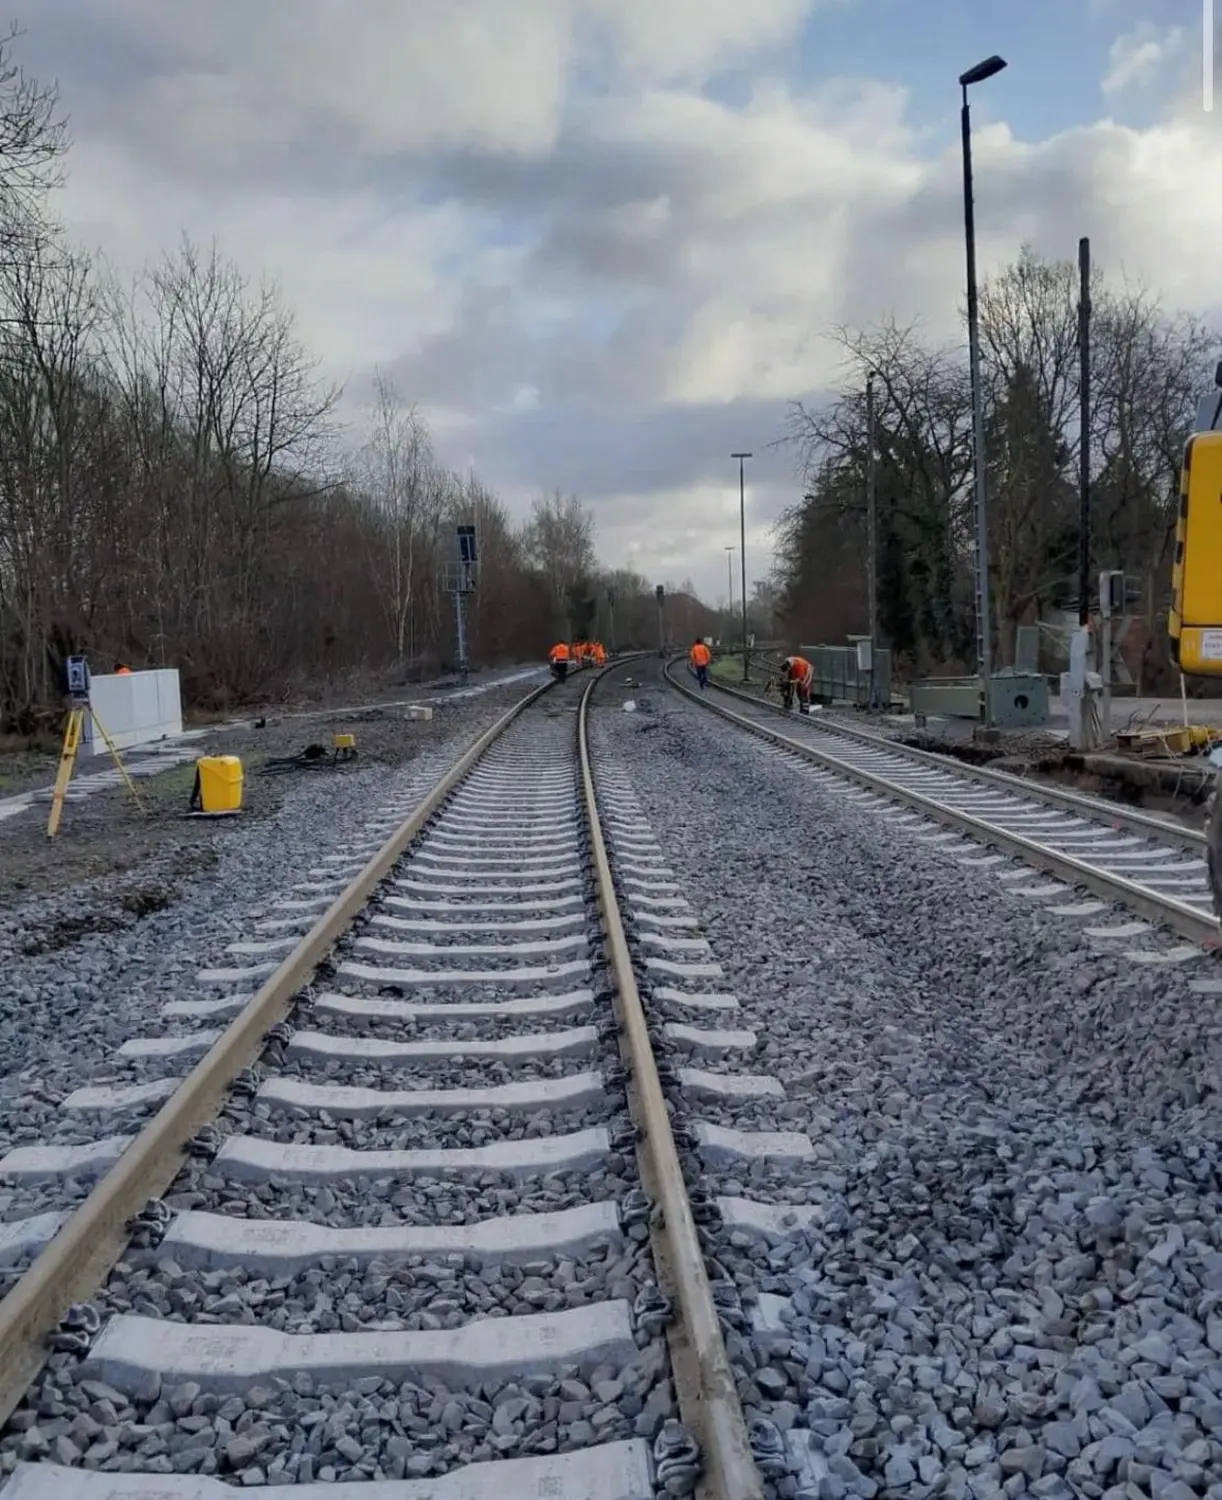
{"points": [[742, 537], [729, 551], [984, 644]]}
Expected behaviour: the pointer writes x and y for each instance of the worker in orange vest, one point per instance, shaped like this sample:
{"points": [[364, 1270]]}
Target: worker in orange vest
{"points": [[698, 658], [599, 654], [559, 658], [121, 670], [797, 676]]}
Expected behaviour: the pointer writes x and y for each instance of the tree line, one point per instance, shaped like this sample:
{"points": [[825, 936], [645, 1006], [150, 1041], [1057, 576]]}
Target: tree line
{"points": [[176, 487], [1149, 366]]}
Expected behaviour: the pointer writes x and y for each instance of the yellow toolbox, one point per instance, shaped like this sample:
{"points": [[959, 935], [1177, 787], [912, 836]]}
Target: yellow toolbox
{"points": [[218, 784]]}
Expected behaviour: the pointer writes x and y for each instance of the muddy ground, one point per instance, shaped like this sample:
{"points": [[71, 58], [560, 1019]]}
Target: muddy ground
{"points": [[151, 855]]}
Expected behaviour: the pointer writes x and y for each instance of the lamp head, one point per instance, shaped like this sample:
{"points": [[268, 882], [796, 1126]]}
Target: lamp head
{"points": [[982, 70]]}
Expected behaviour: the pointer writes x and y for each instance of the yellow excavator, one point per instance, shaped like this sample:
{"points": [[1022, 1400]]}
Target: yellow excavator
{"points": [[1195, 620]]}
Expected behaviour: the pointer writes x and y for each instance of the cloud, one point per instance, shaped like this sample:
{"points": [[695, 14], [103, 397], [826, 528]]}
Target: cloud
{"points": [[1136, 58], [602, 242]]}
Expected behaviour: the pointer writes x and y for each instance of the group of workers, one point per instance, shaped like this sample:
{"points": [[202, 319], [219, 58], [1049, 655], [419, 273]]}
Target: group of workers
{"points": [[795, 679], [580, 653]]}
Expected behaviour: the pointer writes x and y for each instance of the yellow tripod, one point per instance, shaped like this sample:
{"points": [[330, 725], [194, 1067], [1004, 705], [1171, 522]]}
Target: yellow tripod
{"points": [[73, 731]]}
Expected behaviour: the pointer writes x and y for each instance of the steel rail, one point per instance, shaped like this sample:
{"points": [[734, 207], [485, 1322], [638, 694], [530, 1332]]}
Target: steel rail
{"points": [[79, 1258], [1189, 923], [709, 1404], [1079, 802]]}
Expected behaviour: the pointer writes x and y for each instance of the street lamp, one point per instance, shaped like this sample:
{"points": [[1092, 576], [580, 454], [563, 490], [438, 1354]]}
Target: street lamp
{"points": [[984, 645], [729, 551], [742, 536]]}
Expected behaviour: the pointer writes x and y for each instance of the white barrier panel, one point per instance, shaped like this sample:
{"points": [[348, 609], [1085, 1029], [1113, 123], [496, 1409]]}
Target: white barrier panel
{"points": [[137, 708]]}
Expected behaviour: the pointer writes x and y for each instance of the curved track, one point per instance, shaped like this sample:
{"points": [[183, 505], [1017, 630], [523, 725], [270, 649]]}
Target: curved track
{"points": [[413, 1210], [1153, 867]]}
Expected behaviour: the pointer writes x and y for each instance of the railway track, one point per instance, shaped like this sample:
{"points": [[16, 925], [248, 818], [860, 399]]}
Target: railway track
{"points": [[413, 1210], [1152, 866]]}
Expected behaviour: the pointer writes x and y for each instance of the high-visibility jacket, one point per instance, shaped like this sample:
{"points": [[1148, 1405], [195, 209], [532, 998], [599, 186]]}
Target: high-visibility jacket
{"points": [[559, 652], [123, 671], [600, 656], [700, 655], [798, 670]]}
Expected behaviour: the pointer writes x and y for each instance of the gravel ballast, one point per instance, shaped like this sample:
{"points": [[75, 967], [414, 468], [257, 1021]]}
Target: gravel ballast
{"points": [[88, 986], [1013, 1279], [422, 1257]]}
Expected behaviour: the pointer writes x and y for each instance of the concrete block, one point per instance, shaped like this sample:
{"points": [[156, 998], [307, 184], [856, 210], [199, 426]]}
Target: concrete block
{"points": [[108, 1099], [358, 1008], [767, 1315], [576, 1041], [684, 971], [555, 824], [427, 925], [721, 1146], [697, 1039], [229, 1360], [149, 1047], [730, 1087], [578, 1091], [48, 1163], [28, 1236], [254, 1158], [569, 896], [485, 893], [260, 947], [562, 855], [577, 942], [286, 1247], [420, 713], [659, 919], [768, 1219], [505, 876], [695, 1002], [670, 944], [250, 976], [610, 1471], [384, 974]]}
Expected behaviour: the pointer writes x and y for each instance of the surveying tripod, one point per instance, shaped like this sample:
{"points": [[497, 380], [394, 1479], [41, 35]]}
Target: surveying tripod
{"points": [[79, 706]]}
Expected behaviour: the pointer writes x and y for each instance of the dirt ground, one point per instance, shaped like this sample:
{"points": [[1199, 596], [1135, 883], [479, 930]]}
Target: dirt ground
{"points": [[105, 835]]}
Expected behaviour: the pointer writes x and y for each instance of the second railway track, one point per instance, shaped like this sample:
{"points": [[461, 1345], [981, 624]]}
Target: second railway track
{"points": [[416, 1214], [1151, 866]]}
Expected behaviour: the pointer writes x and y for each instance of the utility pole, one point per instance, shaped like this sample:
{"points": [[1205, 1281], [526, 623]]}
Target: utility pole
{"points": [[1084, 539], [872, 541], [984, 642], [742, 537], [660, 595], [611, 614], [729, 551]]}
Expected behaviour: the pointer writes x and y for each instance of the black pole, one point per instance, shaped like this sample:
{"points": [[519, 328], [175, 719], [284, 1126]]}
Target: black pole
{"points": [[742, 541], [984, 641], [1084, 432]]}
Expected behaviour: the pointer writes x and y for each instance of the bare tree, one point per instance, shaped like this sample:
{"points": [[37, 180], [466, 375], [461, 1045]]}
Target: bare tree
{"points": [[33, 142], [395, 467], [559, 542]]}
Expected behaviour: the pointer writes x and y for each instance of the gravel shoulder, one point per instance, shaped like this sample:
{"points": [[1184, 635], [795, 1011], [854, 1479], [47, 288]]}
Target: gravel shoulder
{"points": [[1013, 1279], [142, 858]]}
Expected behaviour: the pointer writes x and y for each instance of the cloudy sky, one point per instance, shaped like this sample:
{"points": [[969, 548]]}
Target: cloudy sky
{"points": [[601, 241]]}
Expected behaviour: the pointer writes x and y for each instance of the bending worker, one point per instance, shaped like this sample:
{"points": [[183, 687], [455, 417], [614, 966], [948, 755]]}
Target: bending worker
{"points": [[559, 658], [797, 675], [699, 657]]}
